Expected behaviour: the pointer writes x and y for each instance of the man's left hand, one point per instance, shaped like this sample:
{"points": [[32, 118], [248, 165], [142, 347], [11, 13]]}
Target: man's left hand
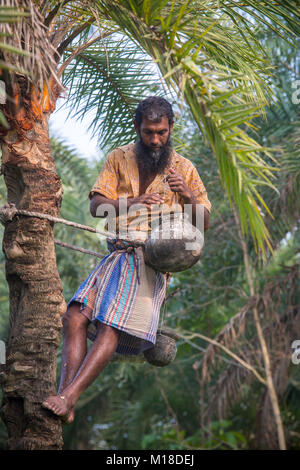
{"points": [[177, 184]]}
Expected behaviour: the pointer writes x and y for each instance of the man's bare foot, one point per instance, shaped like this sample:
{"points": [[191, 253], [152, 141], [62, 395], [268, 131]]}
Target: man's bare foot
{"points": [[60, 406], [69, 418]]}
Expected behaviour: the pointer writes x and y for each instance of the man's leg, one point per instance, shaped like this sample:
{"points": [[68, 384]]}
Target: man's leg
{"points": [[74, 348], [94, 362], [74, 344]]}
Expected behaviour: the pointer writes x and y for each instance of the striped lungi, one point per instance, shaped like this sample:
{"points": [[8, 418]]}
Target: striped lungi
{"points": [[125, 293]]}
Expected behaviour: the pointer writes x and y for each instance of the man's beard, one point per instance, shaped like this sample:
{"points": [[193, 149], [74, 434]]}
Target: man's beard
{"points": [[153, 161]]}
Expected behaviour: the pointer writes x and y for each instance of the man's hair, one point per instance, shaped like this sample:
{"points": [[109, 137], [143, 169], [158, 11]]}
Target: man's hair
{"points": [[153, 108]]}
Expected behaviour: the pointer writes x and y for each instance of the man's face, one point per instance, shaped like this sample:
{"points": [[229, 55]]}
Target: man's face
{"points": [[154, 146], [154, 134]]}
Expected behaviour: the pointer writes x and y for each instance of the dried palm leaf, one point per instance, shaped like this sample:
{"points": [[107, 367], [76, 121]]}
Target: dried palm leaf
{"points": [[228, 336], [30, 36], [279, 334]]}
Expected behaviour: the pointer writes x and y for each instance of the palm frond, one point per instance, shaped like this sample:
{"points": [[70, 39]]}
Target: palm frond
{"points": [[228, 336], [28, 35], [229, 388], [107, 80], [8, 16], [72, 169], [211, 69], [282, 17], [279, 330]]}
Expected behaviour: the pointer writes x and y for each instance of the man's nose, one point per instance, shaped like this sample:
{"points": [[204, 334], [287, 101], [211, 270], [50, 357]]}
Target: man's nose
{"points": [[155, 140]]}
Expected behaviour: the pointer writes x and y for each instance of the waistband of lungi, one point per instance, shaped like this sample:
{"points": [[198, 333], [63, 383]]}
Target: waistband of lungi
{"points": [[116, 245]]}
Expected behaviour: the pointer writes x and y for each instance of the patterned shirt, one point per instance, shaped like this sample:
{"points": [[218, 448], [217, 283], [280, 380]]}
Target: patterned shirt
{"points": [[119, 178]]}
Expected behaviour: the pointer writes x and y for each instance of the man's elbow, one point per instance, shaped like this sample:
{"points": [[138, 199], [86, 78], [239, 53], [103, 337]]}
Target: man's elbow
{"points": [[93, 208], [96, 201], [99, 206]]}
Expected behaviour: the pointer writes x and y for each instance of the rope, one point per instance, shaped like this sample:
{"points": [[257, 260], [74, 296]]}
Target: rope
{"points": [[9, 211], [78, 248]]}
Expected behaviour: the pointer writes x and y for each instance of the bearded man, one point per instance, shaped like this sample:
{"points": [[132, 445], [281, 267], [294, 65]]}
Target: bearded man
{"points": [[118, 305]]}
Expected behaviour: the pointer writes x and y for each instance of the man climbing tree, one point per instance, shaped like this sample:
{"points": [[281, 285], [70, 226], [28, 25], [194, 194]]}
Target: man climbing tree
{"points": [[118, 305], [209, 57]]}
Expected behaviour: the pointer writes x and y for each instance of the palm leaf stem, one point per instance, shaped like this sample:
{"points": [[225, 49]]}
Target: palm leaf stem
{"points": [[82, 48]]}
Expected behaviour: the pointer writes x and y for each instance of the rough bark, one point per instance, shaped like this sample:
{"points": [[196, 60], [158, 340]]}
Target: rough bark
{"points": [[36, 301]]}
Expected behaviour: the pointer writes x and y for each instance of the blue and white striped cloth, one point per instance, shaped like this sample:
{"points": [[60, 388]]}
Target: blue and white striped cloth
{"points": [[125, 293]]}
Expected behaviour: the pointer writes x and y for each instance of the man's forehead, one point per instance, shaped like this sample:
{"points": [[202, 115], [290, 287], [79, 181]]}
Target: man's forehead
{"points": [[163, 123]]}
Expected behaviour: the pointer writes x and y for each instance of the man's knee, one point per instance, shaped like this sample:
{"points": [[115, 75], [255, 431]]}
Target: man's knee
{"points": [[107, 333], [74, 318]]}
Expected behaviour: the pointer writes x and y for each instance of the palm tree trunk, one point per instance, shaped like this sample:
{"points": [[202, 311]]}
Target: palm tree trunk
{"points": [[36, 301]]}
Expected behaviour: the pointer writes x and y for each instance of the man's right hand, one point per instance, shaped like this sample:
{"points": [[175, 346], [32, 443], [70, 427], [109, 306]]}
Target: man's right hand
{"points": [[147, 200]]}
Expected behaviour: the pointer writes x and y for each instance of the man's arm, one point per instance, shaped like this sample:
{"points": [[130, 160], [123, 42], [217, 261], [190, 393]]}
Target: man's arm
{"points": [[178, 185], [97, 200], [146, 199]]}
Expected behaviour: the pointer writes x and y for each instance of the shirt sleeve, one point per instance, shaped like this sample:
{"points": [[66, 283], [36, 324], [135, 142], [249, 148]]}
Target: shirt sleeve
{"points": [[107, 181], [195, 184]]}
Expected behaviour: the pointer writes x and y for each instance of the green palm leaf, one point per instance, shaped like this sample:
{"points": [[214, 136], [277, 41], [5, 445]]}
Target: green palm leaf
{"points": [[109, 79], [222, 74]]}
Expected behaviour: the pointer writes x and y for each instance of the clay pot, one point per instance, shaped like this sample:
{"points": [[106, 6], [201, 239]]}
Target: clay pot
{"points": [[163, 352], [174, 245]]}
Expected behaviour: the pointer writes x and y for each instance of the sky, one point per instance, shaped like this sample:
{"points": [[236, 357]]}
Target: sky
{"points": [[74, 132]]}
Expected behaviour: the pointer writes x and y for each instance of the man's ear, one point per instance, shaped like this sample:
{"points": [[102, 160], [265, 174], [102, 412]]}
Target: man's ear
{"points": [[136, 127], [171, 127]]}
